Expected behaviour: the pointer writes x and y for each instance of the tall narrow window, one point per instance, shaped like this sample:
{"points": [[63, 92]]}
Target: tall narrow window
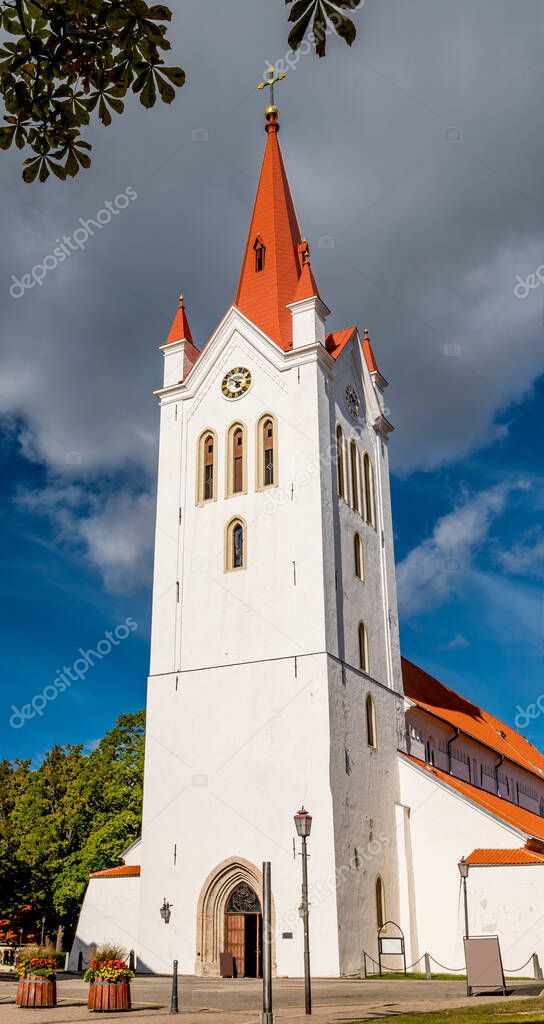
{"points": [[371, 731], [363, 649], [235, 545], [267, 451], [259, 249], [206, 478], [268, 446], [370, 510], [359, 556], [236, 460], [208, 468], [340, 463], [429, 752], [355, 476], [381, 916]]}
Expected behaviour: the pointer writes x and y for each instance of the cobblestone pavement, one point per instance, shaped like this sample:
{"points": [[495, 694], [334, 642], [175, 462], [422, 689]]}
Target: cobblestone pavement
{"points": [[239, 1001]]}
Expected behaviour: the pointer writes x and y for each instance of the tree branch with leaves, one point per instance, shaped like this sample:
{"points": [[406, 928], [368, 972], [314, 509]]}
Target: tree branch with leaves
{"points": [[62, 61]]}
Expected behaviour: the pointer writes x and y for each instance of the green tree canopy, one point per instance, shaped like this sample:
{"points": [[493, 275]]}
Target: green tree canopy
{"points": [[73, 815], [64, 60]]}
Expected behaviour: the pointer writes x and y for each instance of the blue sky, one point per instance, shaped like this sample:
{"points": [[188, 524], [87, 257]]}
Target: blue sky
{"points": [[415, 233], [482, 635]]}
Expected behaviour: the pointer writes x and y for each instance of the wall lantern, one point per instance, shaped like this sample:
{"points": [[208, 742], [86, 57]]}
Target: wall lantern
{"points": [[165, 911]]}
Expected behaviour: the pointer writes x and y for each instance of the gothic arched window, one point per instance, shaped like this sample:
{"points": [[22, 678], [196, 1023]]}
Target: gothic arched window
{"points": [[363, 649], [370, 508], [243, 900], [267, 452], [236, 459], [355, 476], [359, 556], [381, 915], [340, 463], [235, 547], [371, 730], [207, 461]]}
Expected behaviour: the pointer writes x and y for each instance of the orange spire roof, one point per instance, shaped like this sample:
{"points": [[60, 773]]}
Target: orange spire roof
{"points": [[306, 287], [180, 329], [369, 354], [272, 262]]}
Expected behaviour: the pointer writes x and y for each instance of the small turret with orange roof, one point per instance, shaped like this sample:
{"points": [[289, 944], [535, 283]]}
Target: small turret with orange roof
{"points": [[180, 330]]}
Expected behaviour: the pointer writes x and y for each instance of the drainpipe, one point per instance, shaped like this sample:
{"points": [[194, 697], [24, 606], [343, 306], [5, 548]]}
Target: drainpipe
{"points": [[450, 741], [497, 766]]}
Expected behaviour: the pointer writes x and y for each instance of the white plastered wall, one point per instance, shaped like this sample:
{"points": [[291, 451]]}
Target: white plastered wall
{"points": [[443, 827]]}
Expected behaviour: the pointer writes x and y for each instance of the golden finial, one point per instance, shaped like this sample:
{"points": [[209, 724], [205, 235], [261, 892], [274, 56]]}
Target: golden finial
{"points": [[269, 81]]}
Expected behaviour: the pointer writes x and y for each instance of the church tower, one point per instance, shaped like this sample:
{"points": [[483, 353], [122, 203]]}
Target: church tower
{"points": [[275, 671]]}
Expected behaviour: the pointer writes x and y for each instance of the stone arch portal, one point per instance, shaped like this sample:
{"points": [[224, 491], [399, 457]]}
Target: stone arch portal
{"points": [[212, 911]]}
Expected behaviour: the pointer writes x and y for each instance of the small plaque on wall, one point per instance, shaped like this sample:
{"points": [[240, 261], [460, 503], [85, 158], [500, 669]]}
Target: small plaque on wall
{"points": [[287, 935]]}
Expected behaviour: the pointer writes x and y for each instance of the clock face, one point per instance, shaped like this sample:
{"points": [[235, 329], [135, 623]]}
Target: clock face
{"points": [[236, 382], [352, 400]]}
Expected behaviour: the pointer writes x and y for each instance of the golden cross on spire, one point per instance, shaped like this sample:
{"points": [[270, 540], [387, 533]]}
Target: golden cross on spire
{"points": [[270, 80]]}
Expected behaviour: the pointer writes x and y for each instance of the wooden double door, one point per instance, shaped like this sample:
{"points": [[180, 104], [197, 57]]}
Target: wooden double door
{"points": [[243, 939], [244, 931]]}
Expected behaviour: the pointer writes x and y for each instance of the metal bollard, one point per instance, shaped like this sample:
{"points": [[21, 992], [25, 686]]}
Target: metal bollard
{"points": [[428, 972], [79, 962], [537, 969], [267, 1017], [174, 1005], [131, 960]]}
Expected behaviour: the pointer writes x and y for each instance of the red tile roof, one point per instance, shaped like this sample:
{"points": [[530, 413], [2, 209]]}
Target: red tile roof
{"points": [[124, 871], [531, 824], [335, 343], [263, 296], [496, 857], [439, 700]]}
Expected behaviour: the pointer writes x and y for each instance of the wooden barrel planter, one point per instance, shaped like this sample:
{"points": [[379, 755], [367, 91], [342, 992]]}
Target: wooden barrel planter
{"points": [[35, 991], [109, 995]]}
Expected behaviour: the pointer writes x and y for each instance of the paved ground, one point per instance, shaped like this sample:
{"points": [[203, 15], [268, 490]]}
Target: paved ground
{"points": [[239, 1001]]}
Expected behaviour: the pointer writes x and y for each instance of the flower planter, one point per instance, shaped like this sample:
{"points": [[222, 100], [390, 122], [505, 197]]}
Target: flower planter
{"points": [[109, 995], [35, 991]]}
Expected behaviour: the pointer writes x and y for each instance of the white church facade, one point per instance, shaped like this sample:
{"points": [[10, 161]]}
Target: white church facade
{"points": [[276, 676]]}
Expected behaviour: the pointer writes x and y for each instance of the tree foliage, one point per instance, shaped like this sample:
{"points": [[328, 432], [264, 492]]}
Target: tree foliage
{"points": [[63, 61], [73, 815], [315, 19]]}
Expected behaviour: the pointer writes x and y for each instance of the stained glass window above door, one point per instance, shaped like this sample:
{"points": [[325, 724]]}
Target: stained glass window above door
{"points": [[243, 900]]}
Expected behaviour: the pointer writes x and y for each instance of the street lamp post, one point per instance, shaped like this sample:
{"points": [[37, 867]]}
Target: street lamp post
{"points": [[303, 823], [463, 871]]}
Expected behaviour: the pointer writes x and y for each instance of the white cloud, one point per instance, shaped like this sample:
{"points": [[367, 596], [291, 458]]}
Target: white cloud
{"points": [[526, 558], [457, 642], [119, 540], [434, 571], [115, 531]]}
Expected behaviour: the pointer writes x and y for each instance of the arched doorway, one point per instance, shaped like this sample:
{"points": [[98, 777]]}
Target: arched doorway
{"points": [[243, 931], [211, 914]]}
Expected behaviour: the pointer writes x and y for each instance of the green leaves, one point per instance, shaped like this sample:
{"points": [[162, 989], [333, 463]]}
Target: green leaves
{"points": [[71, 58], [63, 60], [325, 17], [73, 815]]}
